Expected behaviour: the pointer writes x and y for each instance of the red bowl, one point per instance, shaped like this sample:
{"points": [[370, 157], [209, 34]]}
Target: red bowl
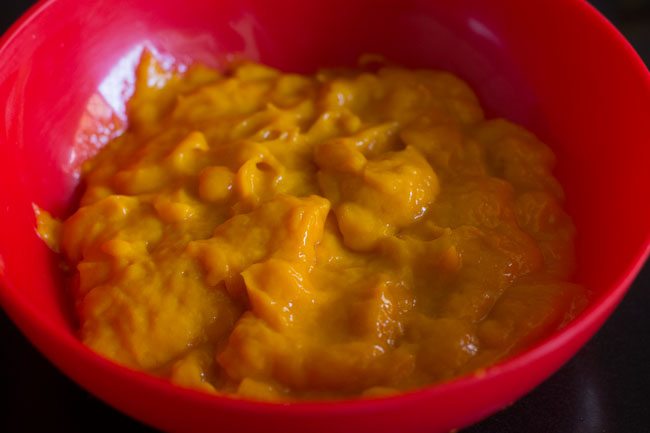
{"points": [[556, 66]]}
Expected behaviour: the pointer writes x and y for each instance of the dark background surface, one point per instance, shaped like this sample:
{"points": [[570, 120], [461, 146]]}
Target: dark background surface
{"points": [[604, 389]]}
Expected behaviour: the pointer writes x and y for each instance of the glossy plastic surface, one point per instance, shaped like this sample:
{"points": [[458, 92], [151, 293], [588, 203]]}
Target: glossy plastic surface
{"points": [[66, 68]]}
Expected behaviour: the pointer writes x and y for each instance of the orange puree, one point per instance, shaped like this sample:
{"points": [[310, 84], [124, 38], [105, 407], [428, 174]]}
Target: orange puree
{"points": [[349, 233]]}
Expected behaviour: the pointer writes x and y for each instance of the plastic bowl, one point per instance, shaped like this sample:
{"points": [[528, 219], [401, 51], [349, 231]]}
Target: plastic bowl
{"points": [[556, 66]]}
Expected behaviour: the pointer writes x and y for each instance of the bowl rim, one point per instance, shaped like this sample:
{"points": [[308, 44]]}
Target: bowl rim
{"points": [[28, 319]]}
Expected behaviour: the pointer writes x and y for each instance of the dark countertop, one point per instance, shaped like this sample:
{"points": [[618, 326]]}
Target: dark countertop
{"points": [[603, 389]]}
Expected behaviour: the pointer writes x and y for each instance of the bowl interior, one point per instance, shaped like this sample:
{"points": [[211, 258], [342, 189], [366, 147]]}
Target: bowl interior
{"points": [[66, 72]]}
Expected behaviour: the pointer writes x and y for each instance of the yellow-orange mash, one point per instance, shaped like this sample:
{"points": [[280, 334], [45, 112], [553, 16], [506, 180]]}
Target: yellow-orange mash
{"points": [[349, 233]]}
